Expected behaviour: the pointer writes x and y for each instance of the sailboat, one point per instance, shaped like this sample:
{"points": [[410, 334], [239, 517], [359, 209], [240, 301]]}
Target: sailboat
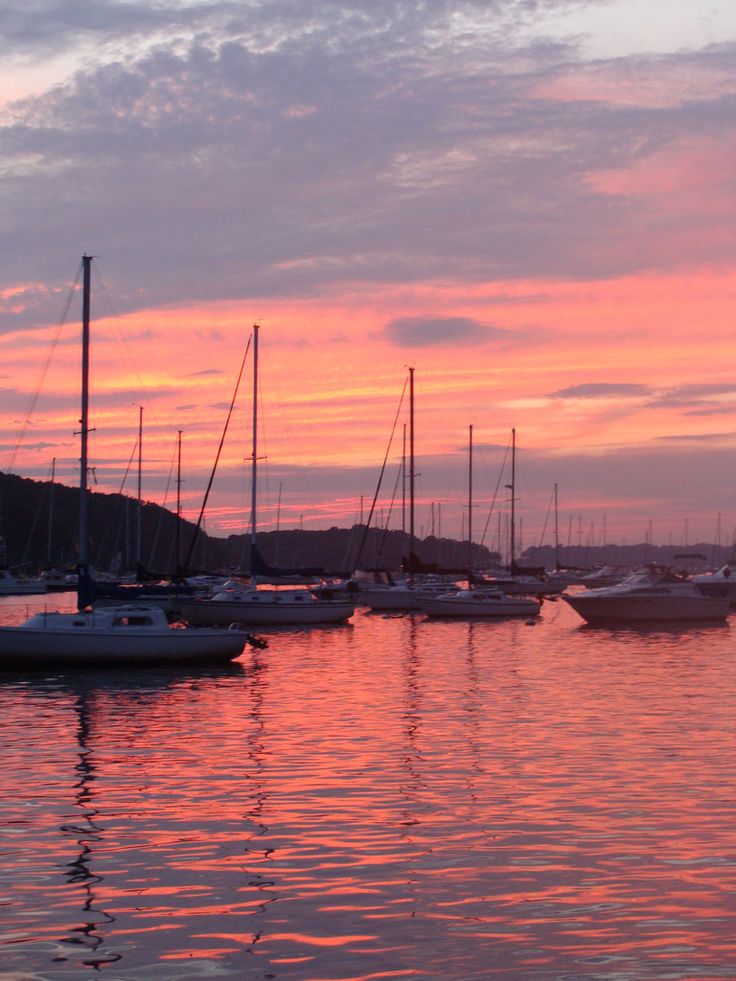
{"points": [[472, 601], [407, 596], [249, 605], [129, 635], [520, 580]]}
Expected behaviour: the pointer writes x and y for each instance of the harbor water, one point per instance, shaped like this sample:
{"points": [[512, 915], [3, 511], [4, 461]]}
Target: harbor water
{"points": [[391, 798]]}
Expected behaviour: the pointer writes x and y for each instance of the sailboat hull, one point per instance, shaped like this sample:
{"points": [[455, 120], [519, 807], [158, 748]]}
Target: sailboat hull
{"points": [[262, 607]]}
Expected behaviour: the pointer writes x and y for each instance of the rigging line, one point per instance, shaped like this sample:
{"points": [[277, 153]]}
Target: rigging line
{"points": [[546, 519], [380, 477], [495, 496], [34, 398], [195, 534], [390, 510]]}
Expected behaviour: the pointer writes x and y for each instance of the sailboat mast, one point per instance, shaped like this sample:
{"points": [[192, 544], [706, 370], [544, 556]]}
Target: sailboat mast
{"points": [[84, 418], [139, 514], [411, 471], [513, 498], [470, 504], [178, 502], [254, 445], [557, 535], [51, 513]]}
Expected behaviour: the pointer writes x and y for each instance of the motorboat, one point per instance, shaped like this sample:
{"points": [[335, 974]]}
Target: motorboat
{"points": [[715, 582], [259, 607], [481, 603], [606, 575], [652, 593], [130, 637]]}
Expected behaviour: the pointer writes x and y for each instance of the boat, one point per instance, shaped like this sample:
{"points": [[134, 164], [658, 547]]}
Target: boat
{"points": [[250, 605], [725, 577], [471, 601], [651, 594], [519, 580], [12, 585], [605, 575], [123, 635], [131, 637], [485, 603]]}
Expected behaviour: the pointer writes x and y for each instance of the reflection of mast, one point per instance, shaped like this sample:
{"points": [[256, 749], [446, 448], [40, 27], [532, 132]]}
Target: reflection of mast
{"points": [[86, 832], [258, 756]]}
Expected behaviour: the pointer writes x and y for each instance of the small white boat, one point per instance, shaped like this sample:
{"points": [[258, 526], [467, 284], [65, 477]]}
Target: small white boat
{"points": [[12, 585], [651, 594], [118, 637], [268, 607], [123, 635], [403, 597], [481, 603]]}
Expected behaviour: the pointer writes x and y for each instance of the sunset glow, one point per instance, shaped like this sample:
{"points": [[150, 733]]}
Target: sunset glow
{"points": [[547, 241]]}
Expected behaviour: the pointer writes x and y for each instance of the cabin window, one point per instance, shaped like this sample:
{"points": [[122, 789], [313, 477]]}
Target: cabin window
{"points": [[132, 621]]}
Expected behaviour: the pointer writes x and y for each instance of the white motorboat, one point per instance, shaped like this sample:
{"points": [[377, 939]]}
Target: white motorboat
{"points": [[651, 594], [606, 575], [481, 603], [716, 582], [131, 637], [124, 635]]}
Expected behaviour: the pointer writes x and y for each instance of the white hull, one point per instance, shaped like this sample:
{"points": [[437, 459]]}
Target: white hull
{"points": [[643, 608], [262, 608], [112, 638], [474, 603]]}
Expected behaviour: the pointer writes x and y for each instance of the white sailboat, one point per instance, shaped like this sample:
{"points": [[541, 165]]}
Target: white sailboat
{"points": [[472, 601], [130, 636], [252, 606]]}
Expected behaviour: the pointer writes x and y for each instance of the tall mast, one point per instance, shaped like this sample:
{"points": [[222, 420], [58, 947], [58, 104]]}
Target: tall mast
{"points": [[557, 535], [411, 471], [513, 498], [178, 502], [470, 504], [84, 419], [139, 523], [254, 445], [51, 513]]}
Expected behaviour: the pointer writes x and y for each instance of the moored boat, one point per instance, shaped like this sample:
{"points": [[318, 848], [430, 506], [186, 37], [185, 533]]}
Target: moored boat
{"points": [[651, 594], [481, 603], [119, 635]]}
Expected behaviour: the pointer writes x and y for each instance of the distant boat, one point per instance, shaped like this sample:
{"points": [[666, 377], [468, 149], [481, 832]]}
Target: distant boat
{"points": [[12, 585], [473, 601], [651, 594], [252, 606], [124, 635]]}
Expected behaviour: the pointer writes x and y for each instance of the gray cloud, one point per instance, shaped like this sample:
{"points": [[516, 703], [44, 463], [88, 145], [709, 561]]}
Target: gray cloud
{"points": [[596, 390], [438, 331], [285, 148]]}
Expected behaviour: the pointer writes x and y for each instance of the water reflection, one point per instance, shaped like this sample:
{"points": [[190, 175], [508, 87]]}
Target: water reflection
{"points": [[448, 800]]}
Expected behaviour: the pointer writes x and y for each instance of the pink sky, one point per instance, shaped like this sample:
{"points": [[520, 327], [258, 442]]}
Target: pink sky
{"points": [[545, 234]]}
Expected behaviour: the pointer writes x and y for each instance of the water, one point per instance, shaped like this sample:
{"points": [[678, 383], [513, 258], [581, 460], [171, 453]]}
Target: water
{"points": [[395, 798]]}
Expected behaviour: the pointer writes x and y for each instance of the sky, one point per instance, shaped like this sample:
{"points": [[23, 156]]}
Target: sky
{"points": [[530, 202]]}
